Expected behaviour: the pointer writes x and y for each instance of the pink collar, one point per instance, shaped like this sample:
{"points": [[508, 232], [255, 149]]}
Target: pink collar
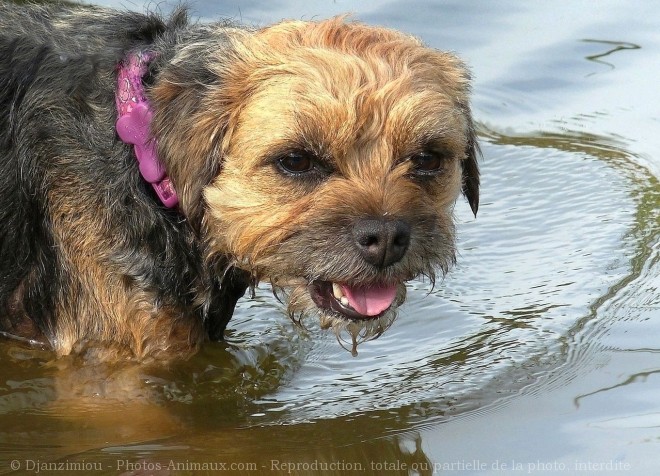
{"points": [[134, 121]]}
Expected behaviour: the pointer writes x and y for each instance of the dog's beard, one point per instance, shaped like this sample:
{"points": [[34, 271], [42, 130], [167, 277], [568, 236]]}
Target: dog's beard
{"points": [[349, 332], [307, 282]]}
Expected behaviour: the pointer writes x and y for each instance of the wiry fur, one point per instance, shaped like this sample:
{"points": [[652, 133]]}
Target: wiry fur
{"points": [[90, 258]]}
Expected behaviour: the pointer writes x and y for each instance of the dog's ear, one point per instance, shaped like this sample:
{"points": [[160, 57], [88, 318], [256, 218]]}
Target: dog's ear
{"points": [[188, 123], [454, 78], [470, 170]]}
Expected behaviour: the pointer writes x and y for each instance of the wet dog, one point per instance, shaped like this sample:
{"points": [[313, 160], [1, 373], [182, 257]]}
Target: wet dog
{"points": [[152, 170]]}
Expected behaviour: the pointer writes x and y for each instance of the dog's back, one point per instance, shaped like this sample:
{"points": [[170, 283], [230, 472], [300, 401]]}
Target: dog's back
{"points": [[42, 66], [77, 223], [78, 30]]}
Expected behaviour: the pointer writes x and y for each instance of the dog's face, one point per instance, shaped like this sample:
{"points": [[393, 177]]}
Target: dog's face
{"points": [[344, 148]]}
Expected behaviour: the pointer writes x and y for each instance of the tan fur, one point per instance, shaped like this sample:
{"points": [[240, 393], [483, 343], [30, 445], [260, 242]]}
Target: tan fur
{"points": [[101, 304], [366, 97], [369, 94]]}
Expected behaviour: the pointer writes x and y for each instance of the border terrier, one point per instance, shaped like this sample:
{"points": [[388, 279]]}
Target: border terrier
{"points": [[152, 170]]}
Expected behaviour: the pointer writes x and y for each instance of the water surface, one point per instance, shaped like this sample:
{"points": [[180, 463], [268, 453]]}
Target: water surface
{"points": [[539, 352]]}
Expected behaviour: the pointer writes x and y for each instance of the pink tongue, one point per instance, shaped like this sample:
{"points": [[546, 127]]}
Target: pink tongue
{"points": [[370, 301]]}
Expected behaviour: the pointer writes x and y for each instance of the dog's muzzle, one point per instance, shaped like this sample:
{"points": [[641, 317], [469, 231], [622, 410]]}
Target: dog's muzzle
{"points": [[380, 243]]}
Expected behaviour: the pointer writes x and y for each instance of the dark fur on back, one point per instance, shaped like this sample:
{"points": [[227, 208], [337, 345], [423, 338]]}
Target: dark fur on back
{"points": [[60, 158]]}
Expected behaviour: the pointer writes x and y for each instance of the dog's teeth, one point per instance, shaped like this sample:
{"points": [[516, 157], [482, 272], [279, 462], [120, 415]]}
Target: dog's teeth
{"points": [[339, 295], [336, 290]]}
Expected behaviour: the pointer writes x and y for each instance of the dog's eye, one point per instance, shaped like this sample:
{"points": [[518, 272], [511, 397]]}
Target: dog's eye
{"points": [[427, 163], [296, 163]]}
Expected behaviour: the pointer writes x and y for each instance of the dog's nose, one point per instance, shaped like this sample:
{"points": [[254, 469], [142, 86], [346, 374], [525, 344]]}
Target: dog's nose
{"points": [[381, 242]]}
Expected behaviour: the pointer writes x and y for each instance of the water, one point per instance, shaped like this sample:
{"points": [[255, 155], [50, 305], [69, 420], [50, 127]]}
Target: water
{"points": [[537, 353]]}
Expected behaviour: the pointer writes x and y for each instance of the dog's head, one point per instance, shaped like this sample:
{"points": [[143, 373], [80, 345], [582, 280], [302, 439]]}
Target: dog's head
{"points": [[331, 155]]}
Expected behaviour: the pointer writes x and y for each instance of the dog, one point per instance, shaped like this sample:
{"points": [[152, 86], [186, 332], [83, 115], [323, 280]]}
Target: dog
{"points": [[152, 170]]}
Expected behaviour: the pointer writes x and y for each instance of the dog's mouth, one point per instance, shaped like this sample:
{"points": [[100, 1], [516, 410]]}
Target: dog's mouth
{"points": [[358, 303]]}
